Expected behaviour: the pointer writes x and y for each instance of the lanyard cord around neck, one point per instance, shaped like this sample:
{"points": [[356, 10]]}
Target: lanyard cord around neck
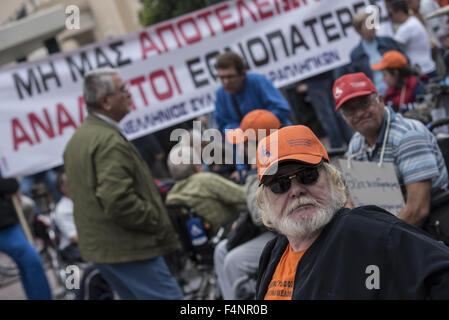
{"points": [[385, 138], [402, 98]]}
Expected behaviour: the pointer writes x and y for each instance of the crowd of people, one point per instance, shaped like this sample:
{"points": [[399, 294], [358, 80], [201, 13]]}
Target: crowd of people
{"points": [[311, 241]]}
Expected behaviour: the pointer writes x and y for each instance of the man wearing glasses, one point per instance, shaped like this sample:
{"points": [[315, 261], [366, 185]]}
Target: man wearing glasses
{"points": [[122, 223], [417, 159], [326, 251], [242, 92]]}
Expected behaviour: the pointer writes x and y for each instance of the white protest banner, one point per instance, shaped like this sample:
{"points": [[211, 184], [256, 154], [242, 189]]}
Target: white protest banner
{"points": [[169, 70], [371, 184]]}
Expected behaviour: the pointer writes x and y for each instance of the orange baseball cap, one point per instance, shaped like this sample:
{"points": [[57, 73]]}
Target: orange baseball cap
{"points": [[297, 143], [256, 120], [351, 86], [391, 59]]}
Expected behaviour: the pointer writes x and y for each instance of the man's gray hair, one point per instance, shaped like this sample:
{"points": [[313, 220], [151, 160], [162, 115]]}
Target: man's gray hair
{"points": [[180, 161], [98, 83]]}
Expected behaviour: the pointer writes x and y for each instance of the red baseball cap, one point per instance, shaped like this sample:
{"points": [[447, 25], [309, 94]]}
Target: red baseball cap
{"points": [[297, 143], [351, 86], [256, 120]]}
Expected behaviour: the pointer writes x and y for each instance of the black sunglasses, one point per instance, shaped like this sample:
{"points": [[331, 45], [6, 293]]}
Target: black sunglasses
{"points": [[306, 176]]}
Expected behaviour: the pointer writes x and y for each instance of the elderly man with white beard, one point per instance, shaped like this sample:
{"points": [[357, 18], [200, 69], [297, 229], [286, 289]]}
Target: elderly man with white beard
{"points": [[326, 251]]}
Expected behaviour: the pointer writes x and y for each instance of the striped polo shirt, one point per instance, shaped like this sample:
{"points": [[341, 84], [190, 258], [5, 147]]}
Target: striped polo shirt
{"points": [[410, 146]]}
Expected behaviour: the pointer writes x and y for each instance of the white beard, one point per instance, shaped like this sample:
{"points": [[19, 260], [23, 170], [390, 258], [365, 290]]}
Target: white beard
{"points": [[306, 226]]}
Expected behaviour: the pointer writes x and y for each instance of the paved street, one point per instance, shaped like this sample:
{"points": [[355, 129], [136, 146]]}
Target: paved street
{"points": [[11, 288]]}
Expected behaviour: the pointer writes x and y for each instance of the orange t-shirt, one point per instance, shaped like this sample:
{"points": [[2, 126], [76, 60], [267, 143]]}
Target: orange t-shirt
{"points": [[283, 280]]}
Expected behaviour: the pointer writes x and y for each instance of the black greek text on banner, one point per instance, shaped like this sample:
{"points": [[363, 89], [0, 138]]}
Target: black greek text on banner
{"points": [[169, 68]]}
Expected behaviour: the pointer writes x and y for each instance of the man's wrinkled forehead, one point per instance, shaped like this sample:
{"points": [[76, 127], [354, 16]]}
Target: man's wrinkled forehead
{"points": [[356, 102]]}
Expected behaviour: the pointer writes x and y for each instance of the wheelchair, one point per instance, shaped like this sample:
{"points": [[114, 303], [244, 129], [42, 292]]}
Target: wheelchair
{"points": [[193, 265], [92, 285], [438, 221]]}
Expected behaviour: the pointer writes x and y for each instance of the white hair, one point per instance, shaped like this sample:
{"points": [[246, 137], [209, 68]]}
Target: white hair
{"points": [[189, 136], [307, 227], [98, 83], [180, 161]]}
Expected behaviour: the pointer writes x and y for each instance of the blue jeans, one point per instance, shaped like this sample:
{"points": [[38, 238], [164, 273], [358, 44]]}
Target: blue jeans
{"points": [[141, 280], [337, 130], [32, 274]]}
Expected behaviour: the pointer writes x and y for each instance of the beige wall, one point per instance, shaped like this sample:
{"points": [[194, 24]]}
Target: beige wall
{"points": [[8, 9], [111, 18]]}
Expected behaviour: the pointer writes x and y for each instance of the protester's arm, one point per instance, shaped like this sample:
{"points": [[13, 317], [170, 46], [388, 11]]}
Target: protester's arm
{"points": [[274, 101], [417, 165], [116, 192], [417, 207]]}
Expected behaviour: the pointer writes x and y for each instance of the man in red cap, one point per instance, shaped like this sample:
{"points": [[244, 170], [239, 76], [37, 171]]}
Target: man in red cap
{"points": [[413, 150], [326, 251]]}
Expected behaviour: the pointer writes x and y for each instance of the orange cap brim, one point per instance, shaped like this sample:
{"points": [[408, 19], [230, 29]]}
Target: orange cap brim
{"points": [[379, 66], [307, 158], [353, 95]]}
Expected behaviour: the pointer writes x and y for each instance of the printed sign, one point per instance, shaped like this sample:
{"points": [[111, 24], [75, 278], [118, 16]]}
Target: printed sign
{"points": [[370, 184]]}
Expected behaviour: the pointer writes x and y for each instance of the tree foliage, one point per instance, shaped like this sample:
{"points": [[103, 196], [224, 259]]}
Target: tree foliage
{"points": [[155, 11]]}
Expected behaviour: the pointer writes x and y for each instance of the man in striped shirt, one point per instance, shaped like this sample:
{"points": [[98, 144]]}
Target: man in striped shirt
{"points": [[417, 159]]}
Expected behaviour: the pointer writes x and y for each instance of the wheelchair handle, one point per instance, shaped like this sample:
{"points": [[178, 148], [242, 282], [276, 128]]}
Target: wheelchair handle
{"points": [[437, 123]]}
